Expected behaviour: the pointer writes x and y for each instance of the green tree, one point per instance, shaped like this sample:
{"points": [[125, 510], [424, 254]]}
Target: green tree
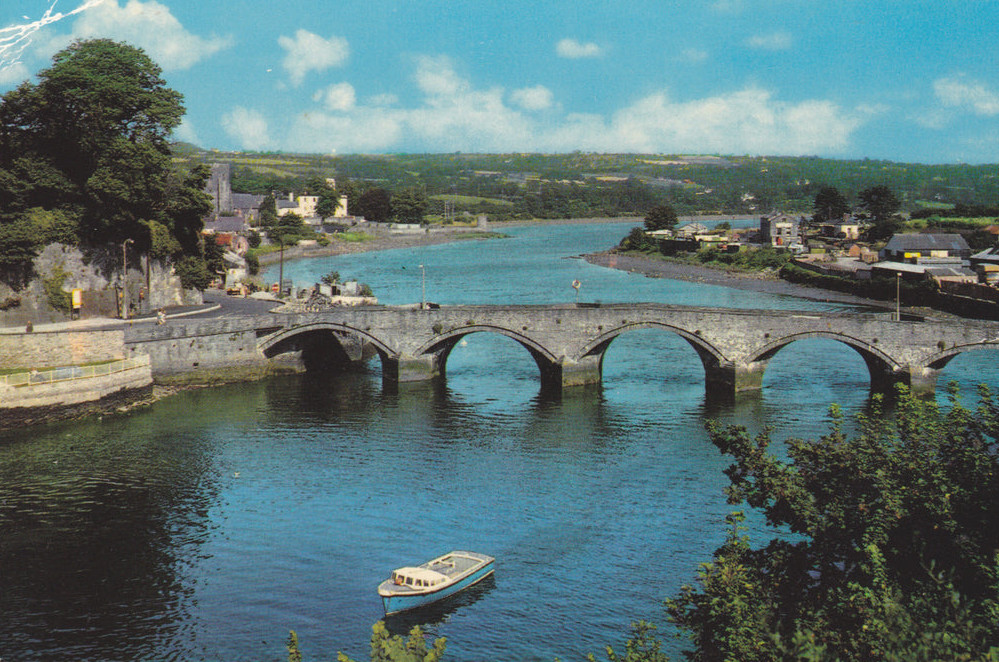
{"points": [[410, 205], [892, 552], [100, 116], [268, 212], [881, 207], [830, 205], [374, 205], [661, 217], [327, 204], [386, 648]]}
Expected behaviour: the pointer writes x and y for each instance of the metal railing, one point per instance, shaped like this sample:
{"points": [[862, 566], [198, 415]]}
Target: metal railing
{"points": [[69, 373]]}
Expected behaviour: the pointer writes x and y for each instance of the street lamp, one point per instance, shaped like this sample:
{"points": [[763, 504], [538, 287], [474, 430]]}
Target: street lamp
{"points": [[423, 288], [124, 278], [898, 304]]}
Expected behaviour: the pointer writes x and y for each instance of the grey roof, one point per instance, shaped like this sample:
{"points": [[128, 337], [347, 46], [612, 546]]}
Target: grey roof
{"points": [[226, 224], [926, 242], [246, 201], [285, 204]]}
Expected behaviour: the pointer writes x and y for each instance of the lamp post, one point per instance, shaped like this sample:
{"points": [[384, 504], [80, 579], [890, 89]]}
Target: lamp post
{"points": [[423, 288], [898, 298], [124, 278]]}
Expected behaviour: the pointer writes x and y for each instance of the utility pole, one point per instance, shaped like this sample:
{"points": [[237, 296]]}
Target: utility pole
{"points": [[423, 288], [124, 278]]}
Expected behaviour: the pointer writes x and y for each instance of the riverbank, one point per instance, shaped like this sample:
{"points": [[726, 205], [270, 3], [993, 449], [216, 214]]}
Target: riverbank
{"points": [[765, 282]]}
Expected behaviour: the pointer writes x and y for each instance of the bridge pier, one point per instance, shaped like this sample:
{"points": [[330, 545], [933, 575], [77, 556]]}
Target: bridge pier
{"points": [[727, 380], [404, 368], [555, 377]]}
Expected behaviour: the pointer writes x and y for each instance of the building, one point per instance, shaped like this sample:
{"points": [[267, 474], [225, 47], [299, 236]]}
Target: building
{"points": [[779, 229], [219, 187], [922, 248]]}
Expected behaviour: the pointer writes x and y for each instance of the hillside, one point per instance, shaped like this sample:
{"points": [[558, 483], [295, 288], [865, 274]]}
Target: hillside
{"points": [[581, 185]]}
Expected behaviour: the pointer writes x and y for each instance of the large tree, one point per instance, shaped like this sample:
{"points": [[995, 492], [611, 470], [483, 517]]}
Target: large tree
{"points": [[830, 205], [89, 140], [374, 205], [881, 207], [661, 217], [889, 543], [409, 205]]}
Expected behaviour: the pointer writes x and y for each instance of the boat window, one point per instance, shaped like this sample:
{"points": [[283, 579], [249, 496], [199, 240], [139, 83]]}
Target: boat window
{"points": [[409, 580]]}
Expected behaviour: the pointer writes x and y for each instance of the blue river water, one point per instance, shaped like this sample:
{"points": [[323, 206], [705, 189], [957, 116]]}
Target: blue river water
{"points": [[208, 525]]}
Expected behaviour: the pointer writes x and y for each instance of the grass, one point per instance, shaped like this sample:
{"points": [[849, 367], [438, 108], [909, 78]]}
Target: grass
{"points": [[353, 237], [470, 200]]}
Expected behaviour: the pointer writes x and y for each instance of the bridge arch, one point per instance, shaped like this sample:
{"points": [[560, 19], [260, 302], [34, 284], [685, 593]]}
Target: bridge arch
{"points": [[323, 342], [883, 368], [709, 354], [440, 349]]}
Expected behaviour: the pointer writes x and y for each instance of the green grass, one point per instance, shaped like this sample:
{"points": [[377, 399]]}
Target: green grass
{"points": [[470, 200], [353, 237]]}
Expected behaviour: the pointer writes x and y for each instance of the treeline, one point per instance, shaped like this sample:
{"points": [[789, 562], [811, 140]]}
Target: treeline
{"points": [[579, 185], [85, 161]]}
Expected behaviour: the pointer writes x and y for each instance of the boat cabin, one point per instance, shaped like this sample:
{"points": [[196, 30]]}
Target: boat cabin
{"points": [[418, 578]]}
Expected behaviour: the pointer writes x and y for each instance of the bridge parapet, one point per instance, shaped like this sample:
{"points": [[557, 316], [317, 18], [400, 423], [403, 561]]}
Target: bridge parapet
{"points": [[568, 341]]}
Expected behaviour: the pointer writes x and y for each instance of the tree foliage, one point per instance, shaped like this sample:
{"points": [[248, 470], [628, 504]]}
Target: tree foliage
{"points": [[374, 205], [661, 217], [84, 156], [410, 205], [830, 205], [881, 208], [891, 552]]}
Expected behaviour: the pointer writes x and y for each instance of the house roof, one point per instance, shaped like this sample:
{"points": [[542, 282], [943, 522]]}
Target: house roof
{"points": [[927, 242], [226, 224], [246, 201]]}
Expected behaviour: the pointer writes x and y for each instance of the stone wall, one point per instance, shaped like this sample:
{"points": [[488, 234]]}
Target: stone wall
{"points": [[51, 349], [97, 273], [198, 345]]}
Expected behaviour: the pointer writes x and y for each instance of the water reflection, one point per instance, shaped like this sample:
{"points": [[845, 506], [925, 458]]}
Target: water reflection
{"points": [[430, 617]]}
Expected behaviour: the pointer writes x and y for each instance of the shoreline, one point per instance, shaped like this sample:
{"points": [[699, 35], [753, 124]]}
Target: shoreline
{"points": [[740, 280], [442, 235]]}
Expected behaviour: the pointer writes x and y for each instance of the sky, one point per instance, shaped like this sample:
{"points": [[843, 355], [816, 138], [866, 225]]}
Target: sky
{"points": [[902, 80]]}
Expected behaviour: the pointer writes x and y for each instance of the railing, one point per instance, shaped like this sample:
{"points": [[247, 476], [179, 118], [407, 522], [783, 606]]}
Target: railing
{"points": [[70, 373]]}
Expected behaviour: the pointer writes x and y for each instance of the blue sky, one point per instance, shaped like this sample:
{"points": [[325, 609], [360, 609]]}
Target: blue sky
{"points": [[890, 79]]}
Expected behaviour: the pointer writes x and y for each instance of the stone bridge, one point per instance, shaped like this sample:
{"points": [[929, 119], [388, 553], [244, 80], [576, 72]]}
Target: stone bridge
{"points": [[568, 342]]}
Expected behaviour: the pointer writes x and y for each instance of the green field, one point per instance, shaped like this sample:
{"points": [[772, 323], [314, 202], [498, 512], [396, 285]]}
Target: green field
{"points": [[470, 200]]}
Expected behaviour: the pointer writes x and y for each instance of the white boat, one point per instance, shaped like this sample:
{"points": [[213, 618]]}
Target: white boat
{"points": [[410, 587]]}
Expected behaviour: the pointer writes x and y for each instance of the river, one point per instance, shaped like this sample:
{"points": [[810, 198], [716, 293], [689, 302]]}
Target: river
{"points": [[206, 526]]}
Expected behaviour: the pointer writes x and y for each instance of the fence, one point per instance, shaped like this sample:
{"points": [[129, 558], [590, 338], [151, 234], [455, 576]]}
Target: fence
{"points": [[70, 373]]}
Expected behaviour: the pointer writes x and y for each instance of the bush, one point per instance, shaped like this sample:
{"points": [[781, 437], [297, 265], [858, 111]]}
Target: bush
{"points": [[193, 273], [54, 294]]}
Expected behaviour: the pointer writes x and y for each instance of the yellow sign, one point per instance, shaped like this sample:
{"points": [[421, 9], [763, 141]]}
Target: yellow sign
{"points": [[77, 298]]}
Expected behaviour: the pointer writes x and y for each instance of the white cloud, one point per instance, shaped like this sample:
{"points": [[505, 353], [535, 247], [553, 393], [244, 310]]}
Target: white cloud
{"points": [[455, 115], [749, 121], [309, 52], [247, 126], [387, 99], [693, 55], [728, 6], [340, 96], [573, 50], [186, 133], [435, 76], [775, 41], [13, 73], [151, 26], [960, 92], [538, 97]]}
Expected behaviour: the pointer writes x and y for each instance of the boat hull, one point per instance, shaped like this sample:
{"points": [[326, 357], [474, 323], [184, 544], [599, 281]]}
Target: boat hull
{"points": [[398, 603]]}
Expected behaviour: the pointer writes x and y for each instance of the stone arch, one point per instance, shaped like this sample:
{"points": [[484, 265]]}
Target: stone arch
{"points": [[333, 337], [711, 357], [884, 370], [442, 346], [925, 382]]}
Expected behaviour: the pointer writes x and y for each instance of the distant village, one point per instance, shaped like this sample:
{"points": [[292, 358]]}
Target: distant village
{"points": [[837, 249]]}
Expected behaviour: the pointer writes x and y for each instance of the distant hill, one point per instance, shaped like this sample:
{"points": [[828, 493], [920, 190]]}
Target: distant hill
{"points": [[581, 184]]}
